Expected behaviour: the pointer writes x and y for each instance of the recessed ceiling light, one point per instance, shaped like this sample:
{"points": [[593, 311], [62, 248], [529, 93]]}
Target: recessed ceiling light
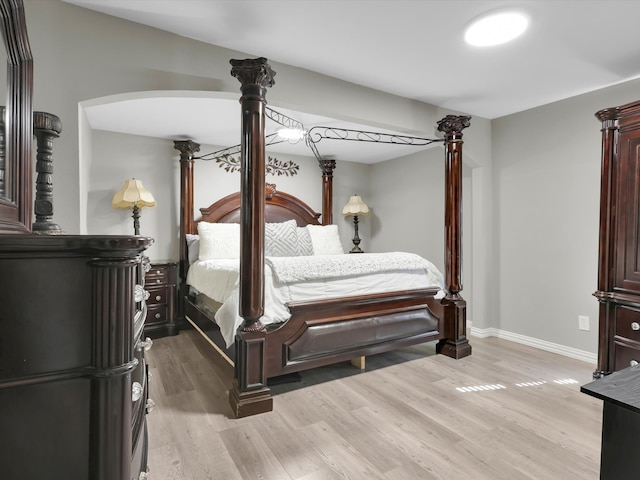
{"points": [[496, 28]]}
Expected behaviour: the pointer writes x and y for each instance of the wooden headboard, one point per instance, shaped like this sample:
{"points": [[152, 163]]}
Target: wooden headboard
{"points": [[279, 207]]}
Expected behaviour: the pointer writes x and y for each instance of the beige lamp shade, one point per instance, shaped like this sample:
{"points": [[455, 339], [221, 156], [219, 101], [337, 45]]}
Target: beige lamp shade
{"points": [[133, 194], [355, 206]]}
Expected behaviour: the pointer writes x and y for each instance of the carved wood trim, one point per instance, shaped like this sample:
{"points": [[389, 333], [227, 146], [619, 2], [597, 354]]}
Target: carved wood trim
{"points": [[16, 210]]}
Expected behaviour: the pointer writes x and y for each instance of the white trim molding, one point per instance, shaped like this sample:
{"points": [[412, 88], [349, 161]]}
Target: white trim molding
{"points": [[536, 343]]}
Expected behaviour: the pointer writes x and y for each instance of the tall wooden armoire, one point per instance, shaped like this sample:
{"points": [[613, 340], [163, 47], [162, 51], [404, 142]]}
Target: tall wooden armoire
{"points": [[619, 252]]}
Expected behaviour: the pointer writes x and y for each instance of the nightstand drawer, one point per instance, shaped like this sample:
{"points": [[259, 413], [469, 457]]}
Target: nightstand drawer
{"points": [[627, 323], [157, 296], [156, 314], [161, 282], [156, 276]]}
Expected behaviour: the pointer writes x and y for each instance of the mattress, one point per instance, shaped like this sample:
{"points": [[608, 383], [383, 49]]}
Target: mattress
{"points": [[290, 279]]}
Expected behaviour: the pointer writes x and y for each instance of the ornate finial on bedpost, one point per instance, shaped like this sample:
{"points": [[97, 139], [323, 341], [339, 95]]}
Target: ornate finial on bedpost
{"points": [[453, 124], [327, 165], [253, 72]]}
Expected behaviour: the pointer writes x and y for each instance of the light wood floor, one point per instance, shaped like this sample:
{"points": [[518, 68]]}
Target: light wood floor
{"points": [[402, 418]]}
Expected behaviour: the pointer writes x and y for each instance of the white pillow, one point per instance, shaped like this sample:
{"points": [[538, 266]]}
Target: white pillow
{"points": [[219, 240], [281, 239], [305, 247], [193, 247], [325, 239]]}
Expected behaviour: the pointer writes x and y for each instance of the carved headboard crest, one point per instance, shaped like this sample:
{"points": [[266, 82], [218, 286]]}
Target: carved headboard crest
{"points": [[270, 190]]}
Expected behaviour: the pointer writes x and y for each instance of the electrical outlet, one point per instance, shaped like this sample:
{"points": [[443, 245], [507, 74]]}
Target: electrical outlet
{"points": [[583, 322]]}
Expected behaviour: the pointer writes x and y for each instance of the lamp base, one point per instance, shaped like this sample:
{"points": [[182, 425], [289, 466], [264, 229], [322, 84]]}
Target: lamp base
{"points": [[356, 239]]}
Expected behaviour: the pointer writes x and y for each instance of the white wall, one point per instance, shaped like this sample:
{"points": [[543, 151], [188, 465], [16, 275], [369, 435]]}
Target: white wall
{"points": [[546, 186]]}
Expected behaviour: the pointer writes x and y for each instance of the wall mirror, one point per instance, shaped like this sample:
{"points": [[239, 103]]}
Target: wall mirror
{"points": [[15, 189]]}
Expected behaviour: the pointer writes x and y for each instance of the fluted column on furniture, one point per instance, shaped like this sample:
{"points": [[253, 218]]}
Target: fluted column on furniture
{"points": [[249, 393], [46, 128], [255, 75], [114, 286], [455, 344]]}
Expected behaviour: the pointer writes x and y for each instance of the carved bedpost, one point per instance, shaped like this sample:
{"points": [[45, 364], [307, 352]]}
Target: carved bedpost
{"points": [[249, 393], [327, 166], [187, 149], [46, 128], [455, 344]]}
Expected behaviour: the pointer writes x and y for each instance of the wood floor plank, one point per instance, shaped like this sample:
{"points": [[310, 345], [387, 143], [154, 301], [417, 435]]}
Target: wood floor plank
{"points": [[251, 454], [404, 417], [338, 454], [293, 451]]}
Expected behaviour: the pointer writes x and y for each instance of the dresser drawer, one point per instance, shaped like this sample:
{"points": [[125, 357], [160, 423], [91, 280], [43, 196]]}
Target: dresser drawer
{"points": [[157, 296], [627, 323], [625, 355]]}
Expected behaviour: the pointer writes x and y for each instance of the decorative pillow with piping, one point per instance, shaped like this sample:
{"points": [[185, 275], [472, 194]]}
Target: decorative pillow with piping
{"points": [[305, 247], [281, 239], [219, 240], [325, 239]]}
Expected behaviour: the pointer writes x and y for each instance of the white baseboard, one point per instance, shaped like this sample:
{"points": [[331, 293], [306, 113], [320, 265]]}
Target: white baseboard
{"points": [[536, 343]]}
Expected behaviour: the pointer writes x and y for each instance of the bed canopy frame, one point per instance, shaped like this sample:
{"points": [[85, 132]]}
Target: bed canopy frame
{"points": [[315, 334]]}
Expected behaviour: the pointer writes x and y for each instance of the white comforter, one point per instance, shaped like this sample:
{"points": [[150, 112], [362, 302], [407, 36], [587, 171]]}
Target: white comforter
{"points": [[290, 279]]}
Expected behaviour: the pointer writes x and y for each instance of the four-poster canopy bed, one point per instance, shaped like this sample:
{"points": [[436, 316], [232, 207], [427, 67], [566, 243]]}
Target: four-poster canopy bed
{"points": [[319, 331]]}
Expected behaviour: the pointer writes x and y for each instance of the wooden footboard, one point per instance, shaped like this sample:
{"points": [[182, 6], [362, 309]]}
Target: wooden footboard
{"points": [[330, 331]]}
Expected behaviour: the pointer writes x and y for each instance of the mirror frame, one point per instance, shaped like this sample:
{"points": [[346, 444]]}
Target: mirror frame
{"points": [[16, 207]]}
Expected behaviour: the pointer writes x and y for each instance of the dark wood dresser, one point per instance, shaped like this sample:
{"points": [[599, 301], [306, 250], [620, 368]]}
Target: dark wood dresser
{"points": [[73, 379], [162, 285], [619, 252], [620, 392]]}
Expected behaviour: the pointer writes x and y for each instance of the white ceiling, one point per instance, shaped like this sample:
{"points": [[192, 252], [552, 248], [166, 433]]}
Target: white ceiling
{"points": [[414, 48]]}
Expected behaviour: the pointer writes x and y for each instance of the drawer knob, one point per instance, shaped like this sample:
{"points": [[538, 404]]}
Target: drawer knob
{"points": [[158, 315], [633, 363], [635, 326], [145, 344], [136, 391], [150, 405], [158, 298]]}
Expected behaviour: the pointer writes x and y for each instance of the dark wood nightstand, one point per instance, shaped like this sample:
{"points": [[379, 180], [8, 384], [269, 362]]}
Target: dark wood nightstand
{"points": [[161, 282]]}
